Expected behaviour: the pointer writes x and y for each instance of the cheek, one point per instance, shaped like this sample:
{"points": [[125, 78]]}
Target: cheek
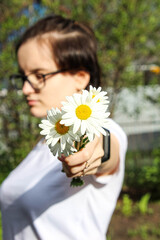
{"points": [[55, 94]]}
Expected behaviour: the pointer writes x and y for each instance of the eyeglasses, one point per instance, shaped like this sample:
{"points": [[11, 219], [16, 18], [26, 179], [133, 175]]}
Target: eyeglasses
{"points": [[36, 80]]}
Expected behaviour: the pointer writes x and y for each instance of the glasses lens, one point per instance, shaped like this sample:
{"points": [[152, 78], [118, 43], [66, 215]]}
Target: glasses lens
{"points": [[36, 80]]}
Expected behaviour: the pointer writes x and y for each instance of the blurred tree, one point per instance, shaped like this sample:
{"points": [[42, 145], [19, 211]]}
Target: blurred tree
{"points": [[127, 33], [15, 120]]}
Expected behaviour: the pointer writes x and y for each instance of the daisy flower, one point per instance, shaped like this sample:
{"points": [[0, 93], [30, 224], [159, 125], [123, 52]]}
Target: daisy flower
{"points": [[55, 132], [85, 114], [100, 95]]}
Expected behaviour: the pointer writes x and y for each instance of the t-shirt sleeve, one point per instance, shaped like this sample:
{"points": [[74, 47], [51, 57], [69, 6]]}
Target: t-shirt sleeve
{"points": [[119, 133]]}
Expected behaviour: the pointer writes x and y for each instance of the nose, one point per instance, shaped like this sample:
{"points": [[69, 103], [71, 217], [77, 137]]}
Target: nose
{"points": [[27, 88]]}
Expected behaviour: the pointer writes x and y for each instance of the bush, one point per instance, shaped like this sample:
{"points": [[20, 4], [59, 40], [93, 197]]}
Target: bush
{"points": [[140, 179]]}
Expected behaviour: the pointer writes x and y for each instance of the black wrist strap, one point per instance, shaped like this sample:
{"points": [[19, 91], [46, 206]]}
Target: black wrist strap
{"points": [[106, 146]]}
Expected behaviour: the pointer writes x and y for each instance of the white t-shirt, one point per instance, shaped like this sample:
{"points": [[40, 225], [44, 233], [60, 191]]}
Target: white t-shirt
{"points": [[37, 201]]}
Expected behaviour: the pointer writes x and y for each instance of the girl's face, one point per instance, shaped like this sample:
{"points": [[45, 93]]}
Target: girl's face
{"points": [[36, 58]]}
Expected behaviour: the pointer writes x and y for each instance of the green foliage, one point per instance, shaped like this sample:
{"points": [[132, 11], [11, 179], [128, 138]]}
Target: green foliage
{"points": [[143, 204], [109, 237], [76, 182], [142, 177], [19, 132], [145, 232], [152, 173], [130, 208], [127, 206]]}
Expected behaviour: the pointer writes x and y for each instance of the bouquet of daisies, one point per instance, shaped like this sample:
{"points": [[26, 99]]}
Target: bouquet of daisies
{"points": [[81, 117]]}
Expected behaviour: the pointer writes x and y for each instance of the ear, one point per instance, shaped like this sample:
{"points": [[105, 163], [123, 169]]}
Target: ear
{"points": [[82, 79]]}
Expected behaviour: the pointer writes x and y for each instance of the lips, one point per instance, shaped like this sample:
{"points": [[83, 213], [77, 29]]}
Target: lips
{"points": [[32, 102]]}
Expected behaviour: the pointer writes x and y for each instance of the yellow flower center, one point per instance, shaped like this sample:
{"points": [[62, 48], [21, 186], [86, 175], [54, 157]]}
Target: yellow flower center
{"points": [[61, 128], [94, 96], [83, 112]]}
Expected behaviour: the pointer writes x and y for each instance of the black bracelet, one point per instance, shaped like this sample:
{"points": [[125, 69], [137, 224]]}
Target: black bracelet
{"points": [[106, 146]]}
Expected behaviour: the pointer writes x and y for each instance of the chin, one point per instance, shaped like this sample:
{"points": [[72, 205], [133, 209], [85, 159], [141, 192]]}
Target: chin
{"points": [[37, 112]]}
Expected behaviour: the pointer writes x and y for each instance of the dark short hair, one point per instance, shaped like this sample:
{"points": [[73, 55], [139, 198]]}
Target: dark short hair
{"points": [[73, 44]]}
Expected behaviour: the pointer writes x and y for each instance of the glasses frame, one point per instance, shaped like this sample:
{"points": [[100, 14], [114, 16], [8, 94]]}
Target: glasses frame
{"points": [[25, 77]]}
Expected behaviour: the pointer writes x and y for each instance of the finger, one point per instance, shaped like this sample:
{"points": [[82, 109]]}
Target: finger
{"points": [[97, 155], [96, 148], [76, 169], [91, 172], [82, 173], [92, 169], [65, 169], [84, 169], [81, 170], [71, 171]]}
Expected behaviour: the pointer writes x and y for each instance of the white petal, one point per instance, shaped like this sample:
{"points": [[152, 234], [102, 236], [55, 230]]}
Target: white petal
{"points": [[46, 122], [67, 115], [83, 126], [44, 126], [90, 128], [77, 98], [63, 141], [71, 101], [53, 111], [84, 97], [99, 89], [54, 141], [44, 132], [90, 136], [67, 122], [48, 142], [68, 108], [51, 118], [76, 125]]}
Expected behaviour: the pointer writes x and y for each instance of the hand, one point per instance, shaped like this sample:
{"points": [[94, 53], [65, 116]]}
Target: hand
{"points": [[84, 162]]}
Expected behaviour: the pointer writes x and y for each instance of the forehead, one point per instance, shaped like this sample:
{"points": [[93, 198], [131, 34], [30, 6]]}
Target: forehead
{"points": [[34, 54]]}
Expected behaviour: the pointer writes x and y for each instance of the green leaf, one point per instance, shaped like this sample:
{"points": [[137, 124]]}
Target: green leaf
{"points": [[76, 182]]}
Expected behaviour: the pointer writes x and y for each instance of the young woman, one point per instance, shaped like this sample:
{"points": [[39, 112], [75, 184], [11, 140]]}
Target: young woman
{"points": [[57, 57]]}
